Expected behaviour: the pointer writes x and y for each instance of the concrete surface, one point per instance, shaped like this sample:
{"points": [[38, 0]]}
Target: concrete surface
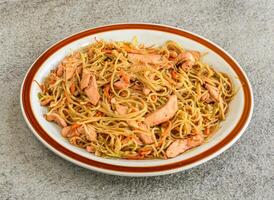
{"points": [[244, 28]]}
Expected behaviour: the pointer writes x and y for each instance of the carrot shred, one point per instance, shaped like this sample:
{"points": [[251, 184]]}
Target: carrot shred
{"points": [[75, 126], [99, 114], [174, 74], [106, 91], [207, 131], [72, 88]]}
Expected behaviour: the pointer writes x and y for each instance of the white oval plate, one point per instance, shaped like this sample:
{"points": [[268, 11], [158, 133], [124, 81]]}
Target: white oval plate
{"points": [[238, 117]]}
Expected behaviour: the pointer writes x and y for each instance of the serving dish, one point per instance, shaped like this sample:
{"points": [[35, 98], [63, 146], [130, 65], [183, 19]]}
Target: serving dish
{"points": [[231, 129]]}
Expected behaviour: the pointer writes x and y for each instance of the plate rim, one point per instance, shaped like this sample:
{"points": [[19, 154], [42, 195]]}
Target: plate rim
{"points": [[204, 156]]}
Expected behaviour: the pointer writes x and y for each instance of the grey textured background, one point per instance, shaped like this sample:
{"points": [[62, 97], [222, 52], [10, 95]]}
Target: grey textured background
{"points": [[30, 171]]}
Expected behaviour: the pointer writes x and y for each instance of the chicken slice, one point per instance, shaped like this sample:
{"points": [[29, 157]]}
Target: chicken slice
{"points": [[69, 131], [182, 145], [187, 59], [90, 149], [213, 91], [121, 84], [176, 148], [145, 137], [124, 81], [60, 70], [164, 113], [121, 109], [69, 71], [56, 118], [86, 75], [92, 91], [89, 131], [146, 90], [149, 58]]}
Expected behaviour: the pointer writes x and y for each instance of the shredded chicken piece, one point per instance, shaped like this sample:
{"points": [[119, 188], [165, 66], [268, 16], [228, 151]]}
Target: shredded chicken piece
{"points": [[176, 148], [148, 58], [124, 81], [141, 131], [69, 131], [56, 118], [182, 145], [92, 91], [145, 137], [69, 71], [146, 90], [164, 113], [90, 149], [121, 84], [213, 91], [186, 59], [86, 75], [121, 109], [60, 70], [89, 131]]}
